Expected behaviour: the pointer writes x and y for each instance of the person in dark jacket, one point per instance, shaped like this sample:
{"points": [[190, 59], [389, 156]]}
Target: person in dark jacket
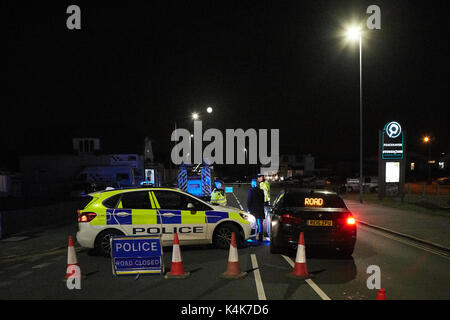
{"points": [[255, 205]]}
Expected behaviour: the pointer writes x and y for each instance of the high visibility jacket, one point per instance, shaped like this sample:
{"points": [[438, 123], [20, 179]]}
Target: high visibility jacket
{"points": [[265, 186], [218, 197]]}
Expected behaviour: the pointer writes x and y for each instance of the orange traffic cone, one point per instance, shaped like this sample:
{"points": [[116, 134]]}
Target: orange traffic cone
{"points": [[177, 269], [72, 263], [233, 267], [300, 270], [381, 294]]}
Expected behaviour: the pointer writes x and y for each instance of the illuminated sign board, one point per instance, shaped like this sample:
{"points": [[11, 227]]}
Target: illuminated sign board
{"points": [[313, 202], [228, 189], [392, 141], [392, 172]]}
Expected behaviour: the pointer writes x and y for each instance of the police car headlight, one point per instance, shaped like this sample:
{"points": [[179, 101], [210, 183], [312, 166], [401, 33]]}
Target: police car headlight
{"points": [[249, 217]]}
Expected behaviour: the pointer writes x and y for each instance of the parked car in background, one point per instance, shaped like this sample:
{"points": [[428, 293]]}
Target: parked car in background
{"points": [[443, 181], [370, 183]]}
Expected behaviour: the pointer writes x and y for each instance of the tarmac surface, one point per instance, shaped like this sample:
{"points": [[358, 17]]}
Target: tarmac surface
{"points": [[33, 266]]}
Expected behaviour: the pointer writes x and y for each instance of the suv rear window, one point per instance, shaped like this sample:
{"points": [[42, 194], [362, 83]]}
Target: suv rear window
{"points": [[302, 200]]}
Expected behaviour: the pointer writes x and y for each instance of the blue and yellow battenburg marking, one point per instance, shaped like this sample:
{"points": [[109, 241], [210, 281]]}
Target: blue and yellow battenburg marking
{"points": [[134, 216], [156, 215]]}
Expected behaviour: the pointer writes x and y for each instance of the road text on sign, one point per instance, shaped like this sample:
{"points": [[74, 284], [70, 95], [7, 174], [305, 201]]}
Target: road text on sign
{"points": [[313, 202]]}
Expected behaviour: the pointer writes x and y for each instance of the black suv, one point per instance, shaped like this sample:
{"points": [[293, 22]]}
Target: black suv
{"points": [[321, 215]]}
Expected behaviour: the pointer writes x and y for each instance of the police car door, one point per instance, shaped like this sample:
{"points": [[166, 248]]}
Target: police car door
{"points": [[182, 214], [135, 215]]}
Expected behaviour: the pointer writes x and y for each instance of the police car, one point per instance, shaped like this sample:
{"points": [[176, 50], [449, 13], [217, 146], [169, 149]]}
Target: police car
{"points": [[159, 211]]}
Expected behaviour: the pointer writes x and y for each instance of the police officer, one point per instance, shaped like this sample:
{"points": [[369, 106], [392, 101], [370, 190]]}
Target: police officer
{"points": [[265, 186], [255, 204], [218, 196]]}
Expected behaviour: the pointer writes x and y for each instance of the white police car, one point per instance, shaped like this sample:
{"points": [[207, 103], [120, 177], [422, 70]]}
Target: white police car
{"points": [[159, 211]]}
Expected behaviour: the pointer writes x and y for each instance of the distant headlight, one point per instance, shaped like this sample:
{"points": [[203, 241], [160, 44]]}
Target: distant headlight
{"points": [[249, 217]]}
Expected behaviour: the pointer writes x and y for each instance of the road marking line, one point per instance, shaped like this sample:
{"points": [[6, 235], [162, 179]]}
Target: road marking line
{"points": [[258, 281], [32, 256], [23, 274], [5, 283], [14, 266], [410, 243], [42, 265], [239, 203], [14, 239], [311, 283]]}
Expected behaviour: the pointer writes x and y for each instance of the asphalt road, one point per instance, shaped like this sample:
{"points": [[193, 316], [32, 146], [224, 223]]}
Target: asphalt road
{"points": [[33, 266]]}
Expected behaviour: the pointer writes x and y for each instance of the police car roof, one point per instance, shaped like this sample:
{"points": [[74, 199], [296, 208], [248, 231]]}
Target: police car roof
{"points": [[132, 188]]}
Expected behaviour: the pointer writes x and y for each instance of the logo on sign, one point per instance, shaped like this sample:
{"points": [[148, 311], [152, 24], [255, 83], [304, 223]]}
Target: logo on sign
{"points": [[392, 143], [393, 129]]}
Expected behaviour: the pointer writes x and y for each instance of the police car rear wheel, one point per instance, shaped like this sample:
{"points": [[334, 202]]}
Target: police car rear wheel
{"points": [[103, 244], [222, 236]]}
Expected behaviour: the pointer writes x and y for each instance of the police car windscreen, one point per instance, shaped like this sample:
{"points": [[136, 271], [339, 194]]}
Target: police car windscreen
{"points": [[302, 200]]}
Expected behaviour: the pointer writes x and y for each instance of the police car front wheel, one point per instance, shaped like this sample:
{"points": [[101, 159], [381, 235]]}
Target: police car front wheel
{"points": [[222, 236]]}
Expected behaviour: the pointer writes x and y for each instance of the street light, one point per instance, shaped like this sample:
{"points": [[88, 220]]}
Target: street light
{"points": [[209, 110], [353, 34], [195, 116]]}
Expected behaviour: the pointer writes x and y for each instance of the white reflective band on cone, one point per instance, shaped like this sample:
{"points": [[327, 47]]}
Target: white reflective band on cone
{"points": [[71, 257], [300, 258], [233, 256], [176, 256]]}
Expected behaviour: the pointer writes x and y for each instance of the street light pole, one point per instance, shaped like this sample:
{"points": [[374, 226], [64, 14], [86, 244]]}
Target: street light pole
{"points": [[427, 140], [353, 34], [360, 124]]}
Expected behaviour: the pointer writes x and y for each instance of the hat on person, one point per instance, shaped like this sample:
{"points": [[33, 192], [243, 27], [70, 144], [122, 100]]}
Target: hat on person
{"points": [[218, 184]]}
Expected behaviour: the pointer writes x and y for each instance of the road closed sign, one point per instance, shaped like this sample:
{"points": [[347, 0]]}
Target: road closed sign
{"points": [[136, 255]]}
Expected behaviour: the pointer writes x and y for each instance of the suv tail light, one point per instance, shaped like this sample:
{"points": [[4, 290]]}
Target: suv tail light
{"points": [[351, 221], [287, 218], [86, 216]]}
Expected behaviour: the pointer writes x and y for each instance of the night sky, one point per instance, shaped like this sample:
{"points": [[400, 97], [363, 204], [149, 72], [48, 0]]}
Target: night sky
{"points": [[135, 69]]}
